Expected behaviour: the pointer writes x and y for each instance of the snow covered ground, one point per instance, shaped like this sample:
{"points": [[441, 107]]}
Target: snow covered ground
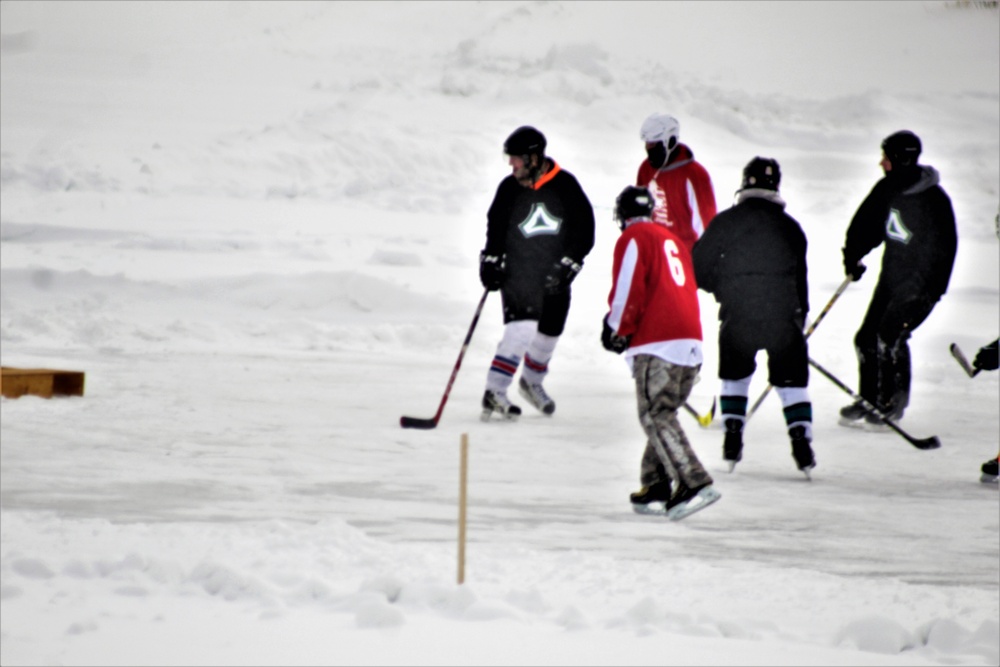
{"points": [[255, 227]]}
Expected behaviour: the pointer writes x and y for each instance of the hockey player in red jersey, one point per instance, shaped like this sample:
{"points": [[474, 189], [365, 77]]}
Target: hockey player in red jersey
{"points": [[655, 320], [681, 187]]}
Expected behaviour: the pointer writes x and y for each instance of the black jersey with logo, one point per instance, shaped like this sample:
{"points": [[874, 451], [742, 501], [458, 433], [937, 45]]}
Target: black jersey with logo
{"points": [[532, 228], [913, 216]]}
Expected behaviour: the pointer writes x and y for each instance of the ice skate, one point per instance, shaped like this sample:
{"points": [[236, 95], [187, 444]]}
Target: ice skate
{"points": [[496, 402], [853, 414], [874, 422], [688, 501], [802, 451], [535, 394], [732, 445], [651, 499], [989, 472]]}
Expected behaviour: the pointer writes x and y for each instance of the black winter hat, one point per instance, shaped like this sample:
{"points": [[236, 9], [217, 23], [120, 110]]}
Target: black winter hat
{"points": [[763, 173], [902, 148], [525, 140]]}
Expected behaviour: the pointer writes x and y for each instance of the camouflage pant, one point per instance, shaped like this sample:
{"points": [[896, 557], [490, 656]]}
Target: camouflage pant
{"points": [[661, 389]]}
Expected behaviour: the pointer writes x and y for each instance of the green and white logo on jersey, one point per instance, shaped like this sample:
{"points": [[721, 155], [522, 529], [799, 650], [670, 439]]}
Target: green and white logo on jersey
{"points": [[540, 221], [895, 229]]}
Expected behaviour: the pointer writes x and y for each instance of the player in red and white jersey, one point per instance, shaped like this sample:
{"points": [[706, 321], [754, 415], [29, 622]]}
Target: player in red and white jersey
{"points": [[654, 318], [681, 186]]}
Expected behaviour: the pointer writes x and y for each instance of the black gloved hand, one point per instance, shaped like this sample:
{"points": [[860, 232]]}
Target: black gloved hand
{"points": [[986, 358], [611, 341], [562, 274], [856, 271], [853, 268], [491, 271]]}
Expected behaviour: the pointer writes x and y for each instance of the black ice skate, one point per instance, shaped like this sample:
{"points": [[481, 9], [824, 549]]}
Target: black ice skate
{"points": [[535, 394], [850, 415], [732, 445], [989, 472], [651, 499], [894, 412], [687, 501], [496, 402], [801, 450]]}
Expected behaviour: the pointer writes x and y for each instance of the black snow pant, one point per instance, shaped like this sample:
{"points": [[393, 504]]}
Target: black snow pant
{"points": [[783, 340], [884, 366], [551, 310]]}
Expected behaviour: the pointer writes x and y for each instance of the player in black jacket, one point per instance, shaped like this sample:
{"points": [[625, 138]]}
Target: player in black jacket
{"points": [[913, 216], [540, 227], [752, 257]]}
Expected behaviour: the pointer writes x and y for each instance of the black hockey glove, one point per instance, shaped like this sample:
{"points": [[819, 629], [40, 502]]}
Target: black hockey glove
{"points": [[856, 271], [562, 274], [853, 268], [491, 271], [611, 341], [986, 358]]}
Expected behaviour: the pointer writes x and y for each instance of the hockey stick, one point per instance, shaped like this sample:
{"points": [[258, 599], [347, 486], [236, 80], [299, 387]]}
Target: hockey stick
{"points": [[920, 443], [416, 422], [703, 420], [963, 361], [812, 327]]}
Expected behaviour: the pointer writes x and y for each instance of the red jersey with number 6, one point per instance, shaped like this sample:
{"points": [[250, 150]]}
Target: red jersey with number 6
{"points": [[654, 296]]}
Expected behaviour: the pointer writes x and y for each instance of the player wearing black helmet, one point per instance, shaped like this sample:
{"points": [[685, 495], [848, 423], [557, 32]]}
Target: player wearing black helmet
{"points": [[540, 227], [655, 320], [911, 214], [753, 259]]}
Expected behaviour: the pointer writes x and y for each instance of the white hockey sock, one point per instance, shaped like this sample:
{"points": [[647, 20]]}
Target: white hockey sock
{"points": [[536, 359], [510, 350], [797, 408], [733, 399]]}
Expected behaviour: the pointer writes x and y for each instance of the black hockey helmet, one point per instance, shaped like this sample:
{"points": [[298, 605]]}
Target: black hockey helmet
{"points": [[902, 148], [525, 140], [633, 202], [763, 173]]}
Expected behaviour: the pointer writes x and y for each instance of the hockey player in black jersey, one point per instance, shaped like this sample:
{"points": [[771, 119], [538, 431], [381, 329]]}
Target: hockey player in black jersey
{"points": [[540, 227], [753, 259], [909, 212]]}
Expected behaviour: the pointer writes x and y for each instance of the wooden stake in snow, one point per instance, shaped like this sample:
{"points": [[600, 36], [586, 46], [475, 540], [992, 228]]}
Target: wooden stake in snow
{"points": [[463, 481]]}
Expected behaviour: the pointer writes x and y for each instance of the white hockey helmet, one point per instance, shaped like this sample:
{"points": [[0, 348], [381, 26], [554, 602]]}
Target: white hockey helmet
{"points": [[661, 127]]}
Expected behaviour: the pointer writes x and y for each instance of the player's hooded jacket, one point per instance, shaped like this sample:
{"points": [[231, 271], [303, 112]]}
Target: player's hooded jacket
{"points": [[685, 201], [753, 259], [909, 211], [532, 229], [654, 296]]}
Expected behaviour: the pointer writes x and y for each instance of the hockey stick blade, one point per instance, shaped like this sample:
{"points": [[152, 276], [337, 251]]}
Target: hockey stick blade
{"points": [[926, 443], [705, 420], [416, 422], [963, 361]]}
